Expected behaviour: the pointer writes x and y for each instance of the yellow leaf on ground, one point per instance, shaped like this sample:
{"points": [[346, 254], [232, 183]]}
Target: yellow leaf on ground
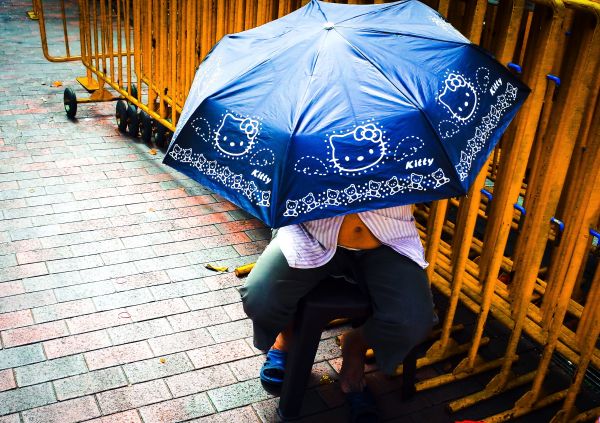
{"points": [[57, 84], [152, 151], [325, 380], [216, 268], [162, 360]]}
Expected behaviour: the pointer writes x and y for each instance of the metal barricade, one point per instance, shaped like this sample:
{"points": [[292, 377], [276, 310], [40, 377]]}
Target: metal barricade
{"points": [[521, 247]]}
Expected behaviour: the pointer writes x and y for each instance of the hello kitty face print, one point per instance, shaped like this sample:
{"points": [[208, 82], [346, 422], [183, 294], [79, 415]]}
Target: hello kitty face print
{"points": [[357, 150], [459, 97], [235, 135]]}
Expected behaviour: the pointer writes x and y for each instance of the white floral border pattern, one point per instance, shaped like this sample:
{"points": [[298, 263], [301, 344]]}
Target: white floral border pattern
{"points": [[361, 192], [222, 174], [484, 130]]}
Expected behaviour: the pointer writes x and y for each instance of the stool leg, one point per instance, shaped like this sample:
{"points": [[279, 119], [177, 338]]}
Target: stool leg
{"points": [[409, 370], [301, 356]]}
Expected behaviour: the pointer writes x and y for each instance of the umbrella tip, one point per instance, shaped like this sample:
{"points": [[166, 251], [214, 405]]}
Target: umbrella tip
{"points": [[328, 25]]}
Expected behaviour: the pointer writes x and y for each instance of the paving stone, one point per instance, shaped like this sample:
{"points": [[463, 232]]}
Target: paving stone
{"points": [[86, 290], [155, 368], [138, 331], [21, 356], [157, 309], [247, 368], [327, 350], [200, 380], [212, 299], [235, 311], [98, 320], [133, 396], [238, 395], [41, 283], [147, 240], [63, 310], [162, 263], [75, 263], [25, 301], [212, 254], [120, 354], [98, 247], [133, 254], [220, 353], [239, 226], [187, 273], [26, 257], [123, 299], [232, 330], [36, 232], [8, 260], [8, 289], [34, 333], [25, 398], [17, 246], [15, 319], [177, 409], [11, 418], [180, 341], [260, 234], [141, 280], [198, 319], [108, 272], [179, 289], [130, 416], [22, 271], [63, 412], [50, 370], [251, 248], [222, 281], [177, 247], [75, 344], [89, 383], [7, 380], [244, 414]]}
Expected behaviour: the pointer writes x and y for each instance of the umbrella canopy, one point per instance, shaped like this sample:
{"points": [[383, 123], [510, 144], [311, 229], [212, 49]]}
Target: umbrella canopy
{"points": [[337, 109]]}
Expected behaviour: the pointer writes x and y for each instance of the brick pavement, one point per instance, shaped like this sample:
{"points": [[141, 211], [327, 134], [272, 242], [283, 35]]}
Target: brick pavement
{"points": [[107, 313]]}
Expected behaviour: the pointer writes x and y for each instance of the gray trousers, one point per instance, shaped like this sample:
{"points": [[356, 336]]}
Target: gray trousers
{"points": [[398, 289]]}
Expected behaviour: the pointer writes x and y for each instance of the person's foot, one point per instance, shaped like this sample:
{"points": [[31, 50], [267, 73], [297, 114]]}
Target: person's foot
{"points": [[352, 374], [361, 402], [273, 369]]}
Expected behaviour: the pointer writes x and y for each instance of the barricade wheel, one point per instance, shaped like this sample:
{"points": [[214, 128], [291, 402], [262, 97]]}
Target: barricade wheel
{"points": [[133, 121], [163, 136], [70, 102], [121, 115], [146, 126]]}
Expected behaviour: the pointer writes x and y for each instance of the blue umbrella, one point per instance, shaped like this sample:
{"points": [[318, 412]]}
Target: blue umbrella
{"points": [[337, 109]]}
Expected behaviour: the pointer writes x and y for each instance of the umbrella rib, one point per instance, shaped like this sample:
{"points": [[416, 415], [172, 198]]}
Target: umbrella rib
{"points": [[408, 34], [321, 10], [380, 9], [301, 103], [253, 66], [401, 91]]}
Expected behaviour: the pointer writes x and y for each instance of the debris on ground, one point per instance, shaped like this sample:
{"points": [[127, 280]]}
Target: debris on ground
{"points": [[216, 268]]}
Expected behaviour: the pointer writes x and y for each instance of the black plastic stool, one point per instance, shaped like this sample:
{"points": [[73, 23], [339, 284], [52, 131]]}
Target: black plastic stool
{"points": [[331, 299]]}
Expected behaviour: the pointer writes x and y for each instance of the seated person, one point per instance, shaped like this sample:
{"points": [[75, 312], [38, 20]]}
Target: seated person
{"points": [[382, 252]]}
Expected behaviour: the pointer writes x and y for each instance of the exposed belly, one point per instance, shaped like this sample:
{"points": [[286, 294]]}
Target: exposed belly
{"points": [[355, 234]]}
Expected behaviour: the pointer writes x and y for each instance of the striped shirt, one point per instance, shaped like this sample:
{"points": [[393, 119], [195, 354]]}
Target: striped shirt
{"points": [[313, 244]]}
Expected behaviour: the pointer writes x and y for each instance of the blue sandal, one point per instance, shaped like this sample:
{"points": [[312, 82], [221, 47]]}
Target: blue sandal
{"points": [[273, 369]]}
